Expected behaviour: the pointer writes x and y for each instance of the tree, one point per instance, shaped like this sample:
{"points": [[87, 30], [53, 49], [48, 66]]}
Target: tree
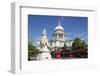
{"points": [[76, 43], [79, 44], [32, 50], [83, 45], [65, 45]]}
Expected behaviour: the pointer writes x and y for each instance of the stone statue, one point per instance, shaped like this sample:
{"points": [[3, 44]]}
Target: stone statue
{"points": [[44, 51]]}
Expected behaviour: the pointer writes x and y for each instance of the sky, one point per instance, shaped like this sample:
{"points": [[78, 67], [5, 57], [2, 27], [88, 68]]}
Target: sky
{"points": [[73, 26]]}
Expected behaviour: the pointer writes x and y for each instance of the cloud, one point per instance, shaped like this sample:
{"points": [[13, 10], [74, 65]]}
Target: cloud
{"points": [[83, 36], [69, 35], [80, 35], [72, 36]]}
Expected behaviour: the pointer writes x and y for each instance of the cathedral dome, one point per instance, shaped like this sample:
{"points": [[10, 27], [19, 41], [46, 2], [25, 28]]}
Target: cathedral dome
{"points": [[59, 27]]}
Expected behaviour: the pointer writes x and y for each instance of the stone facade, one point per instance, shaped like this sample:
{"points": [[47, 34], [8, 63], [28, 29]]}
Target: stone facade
{"points": [[58, 40]]}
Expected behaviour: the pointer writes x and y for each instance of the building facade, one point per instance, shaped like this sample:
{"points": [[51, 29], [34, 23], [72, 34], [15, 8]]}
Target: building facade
{"points": [[59, 38]]}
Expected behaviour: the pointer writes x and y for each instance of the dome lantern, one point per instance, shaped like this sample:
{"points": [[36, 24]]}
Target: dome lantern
{"points": [[59, 27]]}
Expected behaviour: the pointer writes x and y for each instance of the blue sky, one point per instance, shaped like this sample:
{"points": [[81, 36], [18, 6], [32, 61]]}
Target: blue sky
{"points": [[73, 26]]}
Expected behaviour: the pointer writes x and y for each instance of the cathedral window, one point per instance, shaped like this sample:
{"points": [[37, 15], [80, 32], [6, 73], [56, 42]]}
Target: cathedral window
{"points": [[60, 35]]}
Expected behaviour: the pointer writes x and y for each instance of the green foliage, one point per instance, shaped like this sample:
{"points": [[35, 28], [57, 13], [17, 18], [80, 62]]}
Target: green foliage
{"points": [[79, 44], [83, 45], [32, 51], [65, 45]]}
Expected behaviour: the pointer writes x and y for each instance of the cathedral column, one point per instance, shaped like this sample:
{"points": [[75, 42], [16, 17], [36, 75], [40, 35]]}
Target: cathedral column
{"points": [[57, 35], [63, 36]]}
